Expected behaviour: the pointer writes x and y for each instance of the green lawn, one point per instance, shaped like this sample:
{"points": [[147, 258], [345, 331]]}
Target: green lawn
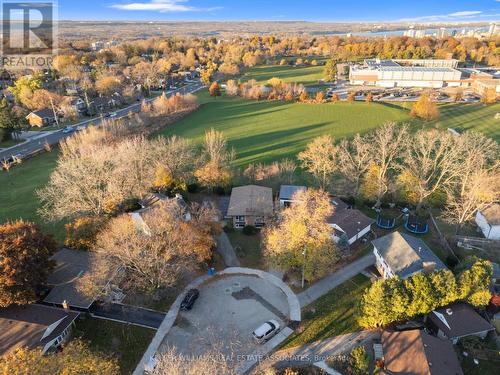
{"points": [[17, 193], [247, 248], [332, 315], [477, 117], [125, 342], [307, 75], [9, 143], [263, 131]]}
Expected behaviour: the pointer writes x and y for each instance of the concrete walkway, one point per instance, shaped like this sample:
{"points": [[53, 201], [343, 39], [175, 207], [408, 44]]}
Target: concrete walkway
{"points": [[330, 282], [225, 249]]}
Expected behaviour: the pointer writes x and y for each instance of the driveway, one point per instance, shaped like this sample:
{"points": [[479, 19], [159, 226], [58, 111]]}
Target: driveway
{"points": [[128, 314], [228, 310]]}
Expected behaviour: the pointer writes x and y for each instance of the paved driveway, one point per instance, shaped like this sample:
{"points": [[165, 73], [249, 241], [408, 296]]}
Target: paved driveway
{"points": [[225, 314]]}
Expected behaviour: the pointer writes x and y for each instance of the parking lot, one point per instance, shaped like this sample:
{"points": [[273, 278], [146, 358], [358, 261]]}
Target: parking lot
{"points": [[227, 311]]}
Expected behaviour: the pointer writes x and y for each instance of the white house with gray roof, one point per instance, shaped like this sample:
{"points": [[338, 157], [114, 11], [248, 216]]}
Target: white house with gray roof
{"points": [[399, 254], [488, 221]]}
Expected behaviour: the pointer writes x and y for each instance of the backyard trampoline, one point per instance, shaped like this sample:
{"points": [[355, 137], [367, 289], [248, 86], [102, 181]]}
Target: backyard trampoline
{"points": [[385, 222], [416, 225]]}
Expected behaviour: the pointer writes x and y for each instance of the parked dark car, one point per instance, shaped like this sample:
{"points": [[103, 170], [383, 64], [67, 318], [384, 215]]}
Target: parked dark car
{"points": [[190, 298]]}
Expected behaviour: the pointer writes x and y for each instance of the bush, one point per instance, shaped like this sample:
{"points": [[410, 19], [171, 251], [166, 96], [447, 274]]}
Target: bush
{"points": [[229, 228], [82, 232], [249, 230], [359, 360]]}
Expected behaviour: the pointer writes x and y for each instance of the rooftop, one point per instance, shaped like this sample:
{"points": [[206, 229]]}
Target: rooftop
{"points": [[416, 352], [459, 320], [492, 214], [350, 220], [406, 254], [31, 325], [288, 191], [251, 200], [71, 265]]}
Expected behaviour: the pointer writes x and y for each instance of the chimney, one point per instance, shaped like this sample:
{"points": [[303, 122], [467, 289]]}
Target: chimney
{"points": [[65, 306], [429, 267]]}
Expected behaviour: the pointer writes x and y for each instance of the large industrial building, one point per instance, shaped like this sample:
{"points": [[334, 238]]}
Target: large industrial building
{"points": [[406, 73]]}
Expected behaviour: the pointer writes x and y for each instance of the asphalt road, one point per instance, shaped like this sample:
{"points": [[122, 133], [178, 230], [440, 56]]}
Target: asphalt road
{"points": [[52, 138]]}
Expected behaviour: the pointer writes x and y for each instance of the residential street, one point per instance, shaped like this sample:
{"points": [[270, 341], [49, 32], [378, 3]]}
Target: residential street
{"points": [[52, 138], [335, 279]]}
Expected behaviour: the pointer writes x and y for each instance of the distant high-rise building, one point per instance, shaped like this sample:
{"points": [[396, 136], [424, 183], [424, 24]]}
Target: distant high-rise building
{"points": [[442, 33], [419, 33], [494, 29]]}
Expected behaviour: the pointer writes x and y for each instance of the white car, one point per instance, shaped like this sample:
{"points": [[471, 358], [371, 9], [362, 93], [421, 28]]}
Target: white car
{"points": [[266, 331], [113, 114]]}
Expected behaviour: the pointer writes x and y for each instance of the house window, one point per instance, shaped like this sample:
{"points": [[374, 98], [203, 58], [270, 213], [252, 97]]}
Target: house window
{"points": [[239, 219], [259, 222]]}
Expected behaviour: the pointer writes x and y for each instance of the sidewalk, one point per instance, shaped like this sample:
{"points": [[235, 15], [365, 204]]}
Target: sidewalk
{"points": [[330, 282]]}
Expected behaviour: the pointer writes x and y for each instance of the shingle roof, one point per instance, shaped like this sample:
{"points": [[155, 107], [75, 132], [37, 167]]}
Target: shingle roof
{"points": [[43, 113], [462, 321], [405, 254], [416, 352], [288, 191], [251, 200], [350, 220], [492, 214], [25, 325], [71, 265]]}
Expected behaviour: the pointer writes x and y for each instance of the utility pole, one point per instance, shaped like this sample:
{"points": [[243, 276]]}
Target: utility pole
{"points": [[304, 253], [54, 111]]}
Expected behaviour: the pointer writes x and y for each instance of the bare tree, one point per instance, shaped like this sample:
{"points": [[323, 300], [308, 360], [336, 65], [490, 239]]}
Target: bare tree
{"points": [[465, 199], [354, 159], [386, 146], [430, 162], [154, 250], [319, 159]]}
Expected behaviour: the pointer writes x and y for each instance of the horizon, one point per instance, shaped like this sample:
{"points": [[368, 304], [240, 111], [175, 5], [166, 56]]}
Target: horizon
{"points": [[384, 11]]}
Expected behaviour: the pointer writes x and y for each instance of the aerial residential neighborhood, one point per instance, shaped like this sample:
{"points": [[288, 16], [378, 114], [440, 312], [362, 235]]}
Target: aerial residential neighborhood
{"points": [[263, 188]]}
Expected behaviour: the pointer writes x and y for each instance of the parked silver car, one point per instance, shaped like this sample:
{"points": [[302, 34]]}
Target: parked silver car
{"points": [[266, 331]]}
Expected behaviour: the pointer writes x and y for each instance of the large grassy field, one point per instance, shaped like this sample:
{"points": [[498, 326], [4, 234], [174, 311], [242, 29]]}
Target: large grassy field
{"points": [[263, 131], [18, 187], [307, 75]]}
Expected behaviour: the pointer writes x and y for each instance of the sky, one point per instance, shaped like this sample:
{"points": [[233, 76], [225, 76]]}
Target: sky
{"points": [[304, 10]]}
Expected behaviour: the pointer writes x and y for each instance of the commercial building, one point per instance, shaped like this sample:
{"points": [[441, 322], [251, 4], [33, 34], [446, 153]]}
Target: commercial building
{"points": [[406, 73]]}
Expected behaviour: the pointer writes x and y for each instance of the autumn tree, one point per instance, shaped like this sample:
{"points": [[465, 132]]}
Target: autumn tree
{"points": [[335, 98], [108, 84], [351, 97], [425, 108], [24, 261], [369, 97], [215, 169], [155, 249], [489, 96], [232, 88], [319, 159], [320, 97], [303, 97], [302, 240], [330, 71], [214, 89], [75, 358]]}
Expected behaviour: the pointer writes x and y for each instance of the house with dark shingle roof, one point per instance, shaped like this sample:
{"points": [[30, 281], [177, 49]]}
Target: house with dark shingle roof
{"points": [[71, 266], [456, 321], [348, 222], [399, 254], [34, 326], [42, 117], [416, 352]]}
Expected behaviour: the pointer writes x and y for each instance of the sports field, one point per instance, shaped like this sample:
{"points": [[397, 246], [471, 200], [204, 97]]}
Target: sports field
{"points": [[263, 131], [307, 75]]}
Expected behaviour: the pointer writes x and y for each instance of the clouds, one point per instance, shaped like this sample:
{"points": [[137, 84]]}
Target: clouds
{"points": [[455, 16], [163, 6]]}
